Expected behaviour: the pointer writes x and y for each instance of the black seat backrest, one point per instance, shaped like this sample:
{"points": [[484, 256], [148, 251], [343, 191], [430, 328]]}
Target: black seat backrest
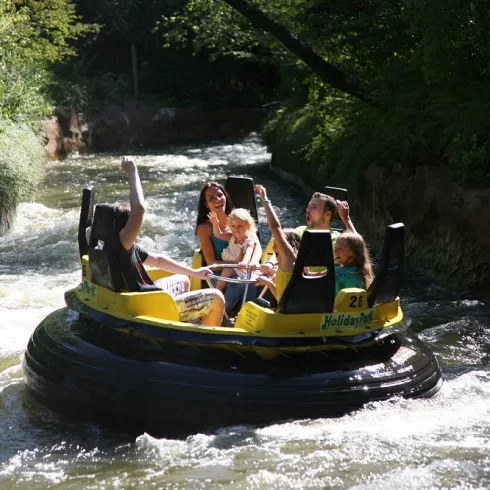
{"points": [[339, 194], [242, 193], [104, 269], [86, 216], [387, 283], [311, 294]]}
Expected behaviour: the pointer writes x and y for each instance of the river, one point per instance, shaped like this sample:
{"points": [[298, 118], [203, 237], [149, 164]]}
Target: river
{"points": [[441, 443]]}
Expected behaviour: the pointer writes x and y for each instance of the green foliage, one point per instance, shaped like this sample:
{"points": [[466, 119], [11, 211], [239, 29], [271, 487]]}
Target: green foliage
{"points": [[33, 35], [215, 28], [21, 159], [73, 86], [426, 64]]}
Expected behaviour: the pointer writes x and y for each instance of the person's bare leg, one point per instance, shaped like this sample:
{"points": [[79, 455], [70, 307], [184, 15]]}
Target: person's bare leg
{"points": [[228, 272], [215, 316], [187, 283]]}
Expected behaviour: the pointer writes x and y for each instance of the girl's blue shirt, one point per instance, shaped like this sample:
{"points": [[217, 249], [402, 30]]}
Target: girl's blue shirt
{"points": [[348, 277]]}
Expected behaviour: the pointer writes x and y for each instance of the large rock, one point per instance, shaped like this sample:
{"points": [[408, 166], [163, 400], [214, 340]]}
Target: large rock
{"points": [[447, 223], [135, 124], [65, 132]]}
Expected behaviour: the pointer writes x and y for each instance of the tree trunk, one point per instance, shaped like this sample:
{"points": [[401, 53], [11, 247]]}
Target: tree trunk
{"points": [[134, 63], [326, 71]]}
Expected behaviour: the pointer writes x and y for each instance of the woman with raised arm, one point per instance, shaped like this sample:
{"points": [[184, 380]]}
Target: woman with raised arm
{"points": [[214, 199], [206, 305]]}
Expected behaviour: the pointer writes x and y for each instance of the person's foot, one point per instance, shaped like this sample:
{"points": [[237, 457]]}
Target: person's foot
{"points": [[228, 322]]}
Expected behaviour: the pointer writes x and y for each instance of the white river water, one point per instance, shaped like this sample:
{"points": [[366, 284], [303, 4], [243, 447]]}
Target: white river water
{"points": [[439, 443]]}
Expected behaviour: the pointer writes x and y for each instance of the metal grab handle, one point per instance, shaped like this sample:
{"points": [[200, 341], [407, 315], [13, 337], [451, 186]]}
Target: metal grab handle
{"points": [[235, 280], [222, 266]]}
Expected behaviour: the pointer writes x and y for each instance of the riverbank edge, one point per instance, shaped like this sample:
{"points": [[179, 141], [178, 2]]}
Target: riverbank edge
{"points": [[446, 235], [134, 124]]}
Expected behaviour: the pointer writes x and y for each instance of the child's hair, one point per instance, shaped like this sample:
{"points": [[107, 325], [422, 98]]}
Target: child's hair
{"points": [[293, 238], [244, 215], [360, 257]]}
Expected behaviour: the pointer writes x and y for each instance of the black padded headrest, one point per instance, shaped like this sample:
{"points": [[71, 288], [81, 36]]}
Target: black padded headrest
{"points": [[340, 194], [242, 193], [387, 283], [85, 220], [104, 268], [305, 294], [337, 193]]}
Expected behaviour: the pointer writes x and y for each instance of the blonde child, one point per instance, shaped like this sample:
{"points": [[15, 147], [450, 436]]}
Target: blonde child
{"points": [[354, 269], [241, 241]]}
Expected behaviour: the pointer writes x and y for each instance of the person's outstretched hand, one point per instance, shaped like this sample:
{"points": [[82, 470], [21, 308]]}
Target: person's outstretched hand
{"points": [[264, 281], [127, 164], [262, 192], [213, 217], [343, 209], [203, 273]]}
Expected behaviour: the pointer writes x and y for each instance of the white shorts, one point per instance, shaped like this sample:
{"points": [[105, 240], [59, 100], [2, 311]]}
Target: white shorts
{"points": [[192, 305]]}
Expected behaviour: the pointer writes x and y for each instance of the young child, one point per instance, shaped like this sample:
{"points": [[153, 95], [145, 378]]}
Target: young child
{"points": [[285, 247], [241, 241], [354, 269], [269, 272]]}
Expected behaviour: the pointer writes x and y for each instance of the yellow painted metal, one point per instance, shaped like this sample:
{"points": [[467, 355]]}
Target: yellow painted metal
{"points": [[196, 264], [350, 299], [351, 316], [265, 322]]}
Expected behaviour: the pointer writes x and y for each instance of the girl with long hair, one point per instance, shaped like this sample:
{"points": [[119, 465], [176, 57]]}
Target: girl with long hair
{"points": [[354, 269]]}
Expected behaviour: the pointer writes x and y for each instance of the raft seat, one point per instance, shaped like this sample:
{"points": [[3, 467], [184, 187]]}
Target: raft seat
{"points": [[155, 304], [388, 280], [106, 286], [311, 294]]}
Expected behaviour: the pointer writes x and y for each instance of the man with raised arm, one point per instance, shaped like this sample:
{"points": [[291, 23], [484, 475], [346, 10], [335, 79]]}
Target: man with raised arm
{"points": [[319, 215], [204, 304], [320, 212]]}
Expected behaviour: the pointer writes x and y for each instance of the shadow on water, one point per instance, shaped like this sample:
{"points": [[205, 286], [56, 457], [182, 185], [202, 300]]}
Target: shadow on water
{"points": [[29, 426]]}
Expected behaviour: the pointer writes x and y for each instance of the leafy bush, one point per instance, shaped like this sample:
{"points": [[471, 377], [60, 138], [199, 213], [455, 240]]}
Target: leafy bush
{"points": [[21, 166]]}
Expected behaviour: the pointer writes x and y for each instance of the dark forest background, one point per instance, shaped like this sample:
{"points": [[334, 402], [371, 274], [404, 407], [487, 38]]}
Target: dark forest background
{"points": [[346, 83]]}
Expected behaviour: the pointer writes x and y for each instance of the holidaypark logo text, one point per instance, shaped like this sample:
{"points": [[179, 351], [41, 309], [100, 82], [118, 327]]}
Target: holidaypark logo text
{"points": [[346, 320]]}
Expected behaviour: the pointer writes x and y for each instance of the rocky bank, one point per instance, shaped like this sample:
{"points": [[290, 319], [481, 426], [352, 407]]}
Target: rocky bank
{"points": [[447, 223], [137, 125]]}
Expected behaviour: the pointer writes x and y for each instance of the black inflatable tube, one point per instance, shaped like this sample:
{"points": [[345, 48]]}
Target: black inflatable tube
{"points": [[82, 369], [173, 335]]}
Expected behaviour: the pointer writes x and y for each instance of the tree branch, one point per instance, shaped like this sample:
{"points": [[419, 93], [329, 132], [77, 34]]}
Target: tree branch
{"points": [[326, 71]]}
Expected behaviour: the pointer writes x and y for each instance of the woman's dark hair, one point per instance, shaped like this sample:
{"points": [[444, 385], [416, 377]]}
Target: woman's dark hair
{"points": [[202, 207]]}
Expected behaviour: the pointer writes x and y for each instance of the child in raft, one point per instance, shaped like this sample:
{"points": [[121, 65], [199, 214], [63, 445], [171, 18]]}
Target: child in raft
{"points": [[286, 245], [241, 241], [354, 265]]}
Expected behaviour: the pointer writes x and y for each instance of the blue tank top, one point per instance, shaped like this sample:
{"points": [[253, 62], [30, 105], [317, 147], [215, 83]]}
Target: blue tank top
{"points": [[218, 245], [348, 277]]}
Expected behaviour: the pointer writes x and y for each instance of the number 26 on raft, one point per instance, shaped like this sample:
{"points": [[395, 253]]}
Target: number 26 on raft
{"points": [[355, 301]]}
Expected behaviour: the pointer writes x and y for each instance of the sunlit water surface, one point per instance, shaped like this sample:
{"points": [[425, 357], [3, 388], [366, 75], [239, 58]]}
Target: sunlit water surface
{"points": [[443, 442]]}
